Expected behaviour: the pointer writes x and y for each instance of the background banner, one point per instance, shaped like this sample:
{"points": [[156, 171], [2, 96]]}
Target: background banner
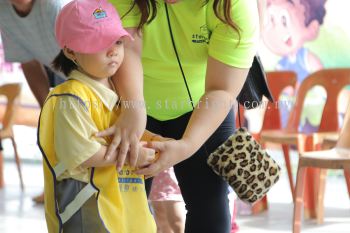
{"points": [[306, 36]]}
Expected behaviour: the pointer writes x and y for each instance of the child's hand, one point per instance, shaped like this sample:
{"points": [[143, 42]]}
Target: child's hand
{"points": [[146, 156], [171, 152]]}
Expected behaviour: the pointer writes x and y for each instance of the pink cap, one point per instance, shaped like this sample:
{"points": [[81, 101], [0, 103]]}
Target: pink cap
{"points": [[88, 26]]}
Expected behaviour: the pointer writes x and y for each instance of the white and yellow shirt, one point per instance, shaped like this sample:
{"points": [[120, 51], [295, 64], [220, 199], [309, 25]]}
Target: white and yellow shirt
{"points": [[86, 200]]}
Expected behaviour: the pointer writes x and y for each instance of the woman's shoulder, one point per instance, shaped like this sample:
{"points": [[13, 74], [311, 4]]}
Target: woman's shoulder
{"points": [[128, 11], [239, 8], [230, 46]]}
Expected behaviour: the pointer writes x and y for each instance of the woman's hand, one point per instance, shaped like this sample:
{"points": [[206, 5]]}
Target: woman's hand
{"points": [[170, 152], [127, 132]]}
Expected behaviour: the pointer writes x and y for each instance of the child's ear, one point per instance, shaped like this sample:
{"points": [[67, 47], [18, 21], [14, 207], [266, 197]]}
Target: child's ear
{"points": [[69, 54], [313, 30]]}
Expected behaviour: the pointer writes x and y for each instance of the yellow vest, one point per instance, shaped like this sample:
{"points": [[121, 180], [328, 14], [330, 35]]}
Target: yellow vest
{"points": [[110, 202]]}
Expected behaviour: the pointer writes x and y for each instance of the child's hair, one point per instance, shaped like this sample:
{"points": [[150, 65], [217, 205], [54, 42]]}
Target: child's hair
{"points": [[63, 64], [314, 10]]}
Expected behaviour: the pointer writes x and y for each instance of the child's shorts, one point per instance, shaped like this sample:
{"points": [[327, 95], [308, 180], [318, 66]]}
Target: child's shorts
{"points": [[165, 187]]}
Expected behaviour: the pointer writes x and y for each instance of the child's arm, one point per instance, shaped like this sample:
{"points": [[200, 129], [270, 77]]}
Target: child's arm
{"points": [[99, 159], [146, 157]]}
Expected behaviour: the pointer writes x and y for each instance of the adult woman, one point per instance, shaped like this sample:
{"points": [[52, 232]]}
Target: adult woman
{"points": [[215, 42]]}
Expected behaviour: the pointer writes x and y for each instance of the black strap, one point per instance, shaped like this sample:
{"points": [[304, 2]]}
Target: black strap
{"points": [[177, 55], [239, 115], [179, 62], [180, 65]]}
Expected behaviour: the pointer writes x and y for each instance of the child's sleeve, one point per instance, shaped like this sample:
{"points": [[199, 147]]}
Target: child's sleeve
{"points": [[74, 130]]}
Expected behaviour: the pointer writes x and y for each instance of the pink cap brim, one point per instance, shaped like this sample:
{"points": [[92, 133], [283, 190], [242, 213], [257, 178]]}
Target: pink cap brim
{"points": [[99, 46]]}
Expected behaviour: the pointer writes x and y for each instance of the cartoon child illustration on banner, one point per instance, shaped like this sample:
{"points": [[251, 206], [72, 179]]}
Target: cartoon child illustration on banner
{"points": [[289, 24]]}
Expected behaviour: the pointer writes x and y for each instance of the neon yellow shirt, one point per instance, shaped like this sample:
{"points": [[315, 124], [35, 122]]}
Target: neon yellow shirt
{"points": [[198, 33]]}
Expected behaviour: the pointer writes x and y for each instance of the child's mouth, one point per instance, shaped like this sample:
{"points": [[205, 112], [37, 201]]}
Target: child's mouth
{"points": [[288, 41]]}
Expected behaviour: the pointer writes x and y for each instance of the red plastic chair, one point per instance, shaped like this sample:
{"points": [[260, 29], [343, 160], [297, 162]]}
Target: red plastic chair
{"points": [[12, 92], [333, 80], [278, 81], [337, 158]]}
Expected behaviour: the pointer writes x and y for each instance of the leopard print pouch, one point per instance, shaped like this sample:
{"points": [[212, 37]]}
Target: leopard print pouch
{"points": [[248, 169]]}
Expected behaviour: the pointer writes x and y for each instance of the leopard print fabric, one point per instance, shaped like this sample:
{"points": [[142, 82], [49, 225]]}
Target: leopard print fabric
{"points": [[248, 169]]}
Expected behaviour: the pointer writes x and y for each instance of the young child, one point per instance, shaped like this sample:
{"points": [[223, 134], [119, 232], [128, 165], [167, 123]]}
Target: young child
{"points": [[84, 192]]}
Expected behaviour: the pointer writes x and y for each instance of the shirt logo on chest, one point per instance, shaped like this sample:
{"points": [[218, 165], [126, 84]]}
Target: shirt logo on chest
{"points": [[202, 36]]}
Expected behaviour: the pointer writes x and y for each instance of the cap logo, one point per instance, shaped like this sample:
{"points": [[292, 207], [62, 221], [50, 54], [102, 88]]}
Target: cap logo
{"points": [[99, 13]]}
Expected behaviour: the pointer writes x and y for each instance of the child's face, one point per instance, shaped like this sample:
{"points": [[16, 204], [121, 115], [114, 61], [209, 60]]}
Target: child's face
{"points": [[103, 64], [284, 30]]}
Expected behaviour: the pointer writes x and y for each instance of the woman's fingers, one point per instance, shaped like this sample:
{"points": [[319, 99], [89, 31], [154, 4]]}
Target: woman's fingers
{"points": [[134, 150], [107, 132], [149, 171], [151, 155], [114, 144], [123, 150], [156, 145]]}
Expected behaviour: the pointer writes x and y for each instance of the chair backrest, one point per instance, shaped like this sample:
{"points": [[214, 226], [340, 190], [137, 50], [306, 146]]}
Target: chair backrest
{"points": [[277, 81], [11, 92], [344, 138], [333, 81], [240, 116]]}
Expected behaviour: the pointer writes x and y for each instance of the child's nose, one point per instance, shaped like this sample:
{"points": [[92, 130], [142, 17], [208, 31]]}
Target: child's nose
{"points": [[113, 51]]}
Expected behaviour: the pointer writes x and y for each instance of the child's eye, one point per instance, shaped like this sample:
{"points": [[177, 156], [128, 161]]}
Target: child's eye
{"points": [[285, 18], [119, 42], [284, 21]]}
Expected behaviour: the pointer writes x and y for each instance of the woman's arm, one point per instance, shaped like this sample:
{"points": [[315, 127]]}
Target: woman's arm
{"points": [[223, 84], [131, 124], [37, 79]]}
